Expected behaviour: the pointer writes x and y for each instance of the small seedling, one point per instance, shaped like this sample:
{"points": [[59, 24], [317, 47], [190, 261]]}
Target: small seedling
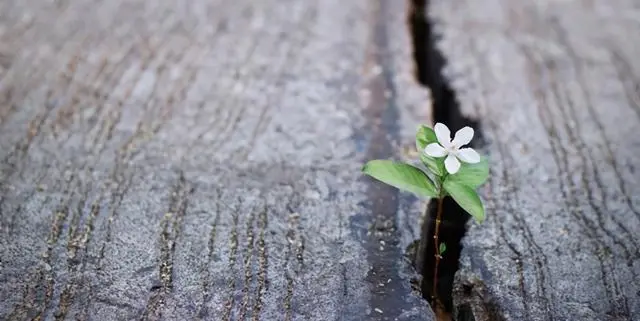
{"points": [[443, 248], [449, 170]]}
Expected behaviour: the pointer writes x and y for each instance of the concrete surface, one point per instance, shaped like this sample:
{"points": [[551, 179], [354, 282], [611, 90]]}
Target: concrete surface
{"points": [[179, 160], [555, 85]]}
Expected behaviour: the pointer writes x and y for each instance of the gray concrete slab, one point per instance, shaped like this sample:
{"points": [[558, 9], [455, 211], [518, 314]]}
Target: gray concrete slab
{"points": [[179, 160], [555, 87]]}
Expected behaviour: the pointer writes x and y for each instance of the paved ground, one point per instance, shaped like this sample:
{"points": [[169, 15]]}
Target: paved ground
{"points": [[183, 160], [170, 160], [556, 86]]}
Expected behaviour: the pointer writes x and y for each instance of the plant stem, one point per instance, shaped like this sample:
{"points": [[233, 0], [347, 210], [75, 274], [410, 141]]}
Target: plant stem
{"points": [[436, 235]]}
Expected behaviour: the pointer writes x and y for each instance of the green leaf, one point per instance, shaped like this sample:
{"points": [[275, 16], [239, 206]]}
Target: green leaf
{"points": [[466, 197], [443, 248], [472, 175], [402, 176], [435, 165], [424, 137]]}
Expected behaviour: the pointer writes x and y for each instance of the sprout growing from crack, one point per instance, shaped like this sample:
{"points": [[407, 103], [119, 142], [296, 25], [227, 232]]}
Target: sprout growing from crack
{"points": [[446, 169], [443, 248]]}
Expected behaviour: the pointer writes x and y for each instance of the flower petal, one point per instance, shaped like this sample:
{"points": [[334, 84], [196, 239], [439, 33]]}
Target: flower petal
{"points": [[463, 137], [435, 150], [444, 134], [468, 155], [452, 164]]}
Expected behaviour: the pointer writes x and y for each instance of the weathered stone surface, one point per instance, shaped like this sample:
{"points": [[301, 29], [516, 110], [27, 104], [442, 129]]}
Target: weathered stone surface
{"points": [[555, 85], [179, 160]]}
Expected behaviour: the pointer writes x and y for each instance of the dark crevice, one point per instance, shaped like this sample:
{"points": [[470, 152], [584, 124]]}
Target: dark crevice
{"points": [[474, 303], [452, 229], [464, 313], [430, 63]]}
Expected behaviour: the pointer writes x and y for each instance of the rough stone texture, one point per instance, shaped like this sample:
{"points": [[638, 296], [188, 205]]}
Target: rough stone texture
{"points": [[556, 86], [179, 160]]}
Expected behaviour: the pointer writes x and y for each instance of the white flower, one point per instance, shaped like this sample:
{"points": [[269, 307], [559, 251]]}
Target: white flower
{"points": [[451, 148]]}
